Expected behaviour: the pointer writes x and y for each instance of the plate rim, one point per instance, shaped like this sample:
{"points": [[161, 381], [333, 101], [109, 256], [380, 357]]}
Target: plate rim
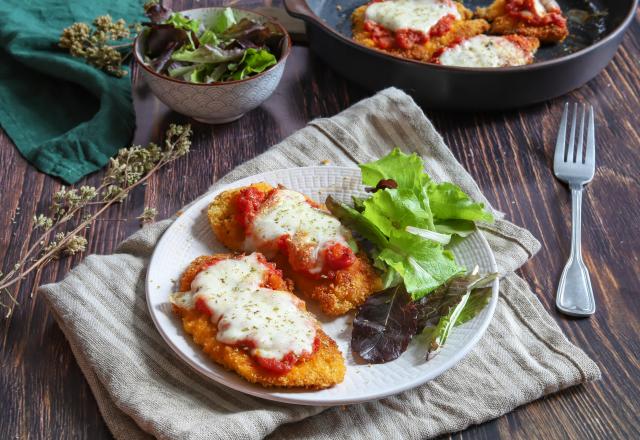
{"points": [[268, 393]]}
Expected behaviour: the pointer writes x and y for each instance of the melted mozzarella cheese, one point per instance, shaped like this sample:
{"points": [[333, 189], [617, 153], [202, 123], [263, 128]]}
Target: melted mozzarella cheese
{"points": [[310, 229], [418, 15], [539, 8], [485, 51], [245, 311]]}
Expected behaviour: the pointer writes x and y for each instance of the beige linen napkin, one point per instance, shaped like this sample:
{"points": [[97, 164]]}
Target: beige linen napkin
{"points": [[144, 390]]}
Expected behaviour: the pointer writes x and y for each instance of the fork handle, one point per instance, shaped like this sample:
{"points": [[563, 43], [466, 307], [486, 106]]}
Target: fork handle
{"points": [[575, 295], [576, 222]]}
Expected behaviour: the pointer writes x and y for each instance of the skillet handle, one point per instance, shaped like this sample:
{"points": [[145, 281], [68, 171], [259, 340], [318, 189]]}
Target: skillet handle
{"points": [[300, 9]]}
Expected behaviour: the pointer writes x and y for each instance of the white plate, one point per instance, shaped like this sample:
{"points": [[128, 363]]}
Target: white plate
{"points": [[190, 236]]}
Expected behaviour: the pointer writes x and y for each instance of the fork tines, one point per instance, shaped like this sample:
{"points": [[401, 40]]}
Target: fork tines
{"points": [[572, 152]]}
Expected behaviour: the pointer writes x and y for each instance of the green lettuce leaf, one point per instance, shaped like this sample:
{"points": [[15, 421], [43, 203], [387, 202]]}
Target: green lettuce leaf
{"points": [[208, 55], [354, 220], [390, 278], [408, 225], [222, 21], [179, 21], [423, 264], [463, 228], [406, 169], [209, 37], [443, 239], [396, 209], [358, 203], [253, 61], [448, 201], [181, 72], [200, 73], [438, 335], [453, 304], [477, 301], [445, 201]]}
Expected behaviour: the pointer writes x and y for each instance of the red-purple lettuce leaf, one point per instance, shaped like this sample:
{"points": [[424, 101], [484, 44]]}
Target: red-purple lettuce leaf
{"points": [[156, 12], [162, 38], [161, 63], [384, 325], [251, 34], [438, 303]]}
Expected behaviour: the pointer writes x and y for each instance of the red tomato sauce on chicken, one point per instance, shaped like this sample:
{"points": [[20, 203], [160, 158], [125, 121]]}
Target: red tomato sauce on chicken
{"points": [[334, 256], [406, 38], [284, 365], [526, 11]]}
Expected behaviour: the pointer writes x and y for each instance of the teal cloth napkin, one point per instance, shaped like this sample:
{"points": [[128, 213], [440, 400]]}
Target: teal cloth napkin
{"points": [[64, 116]]}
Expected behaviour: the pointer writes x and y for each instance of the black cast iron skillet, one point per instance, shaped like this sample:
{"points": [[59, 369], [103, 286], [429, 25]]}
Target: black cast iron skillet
{"points": [[596, 29]]}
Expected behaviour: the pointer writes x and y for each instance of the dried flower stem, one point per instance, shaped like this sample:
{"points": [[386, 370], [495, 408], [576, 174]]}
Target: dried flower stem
{"points": [[95, 42], [132, 167], [43, 239], [148, 215]]}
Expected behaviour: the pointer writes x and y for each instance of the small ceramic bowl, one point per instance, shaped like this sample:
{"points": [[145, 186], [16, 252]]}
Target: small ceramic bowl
{"points": [[215, 103]]}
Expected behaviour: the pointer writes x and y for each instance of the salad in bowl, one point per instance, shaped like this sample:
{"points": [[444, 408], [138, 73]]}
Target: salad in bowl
{"points": [[213, 64]]}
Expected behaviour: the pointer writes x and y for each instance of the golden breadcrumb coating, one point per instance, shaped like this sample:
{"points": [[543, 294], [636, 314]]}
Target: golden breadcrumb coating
{"points": [[348, 290], [529, 44], [504, 24], [460, 30], [323, 369]]}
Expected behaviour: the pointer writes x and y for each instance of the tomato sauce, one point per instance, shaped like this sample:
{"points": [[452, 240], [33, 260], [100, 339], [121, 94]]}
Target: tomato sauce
{"points": [[202, 307], [335, 256], [338, 256], [526, 11], [284, 365], [518, 41], [443, 26], [248, 203], [435, 59], [406, 38]]}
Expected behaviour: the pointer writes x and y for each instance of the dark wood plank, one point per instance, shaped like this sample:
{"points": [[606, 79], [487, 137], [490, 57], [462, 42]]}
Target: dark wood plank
{"points": [[44, 394]]}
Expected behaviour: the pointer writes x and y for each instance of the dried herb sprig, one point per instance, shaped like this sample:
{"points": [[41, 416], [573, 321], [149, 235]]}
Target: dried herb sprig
{"points": [[105, 44], [148, 215], [82, 206]]}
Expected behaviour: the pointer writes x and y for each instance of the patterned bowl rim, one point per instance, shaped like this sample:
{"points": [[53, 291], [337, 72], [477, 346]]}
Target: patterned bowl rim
{"points": [[282, 59]]}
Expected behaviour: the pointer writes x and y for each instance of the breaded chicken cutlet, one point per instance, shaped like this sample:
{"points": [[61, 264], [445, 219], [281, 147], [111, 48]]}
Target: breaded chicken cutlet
{"points": [[445, 32], [241, 312], [392, 26], [302, 238], [489, 51], [541, 19]]}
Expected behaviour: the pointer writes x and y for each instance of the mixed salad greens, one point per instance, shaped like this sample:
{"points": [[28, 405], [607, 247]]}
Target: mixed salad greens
{"points": [[407, 226], [221, 48]]}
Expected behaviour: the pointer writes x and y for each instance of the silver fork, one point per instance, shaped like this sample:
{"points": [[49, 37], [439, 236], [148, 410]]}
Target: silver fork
{"points": [[575, 295]]}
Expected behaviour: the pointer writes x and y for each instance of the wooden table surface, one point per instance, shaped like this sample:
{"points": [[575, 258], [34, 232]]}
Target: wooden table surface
{"points": [[43, 393]]}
